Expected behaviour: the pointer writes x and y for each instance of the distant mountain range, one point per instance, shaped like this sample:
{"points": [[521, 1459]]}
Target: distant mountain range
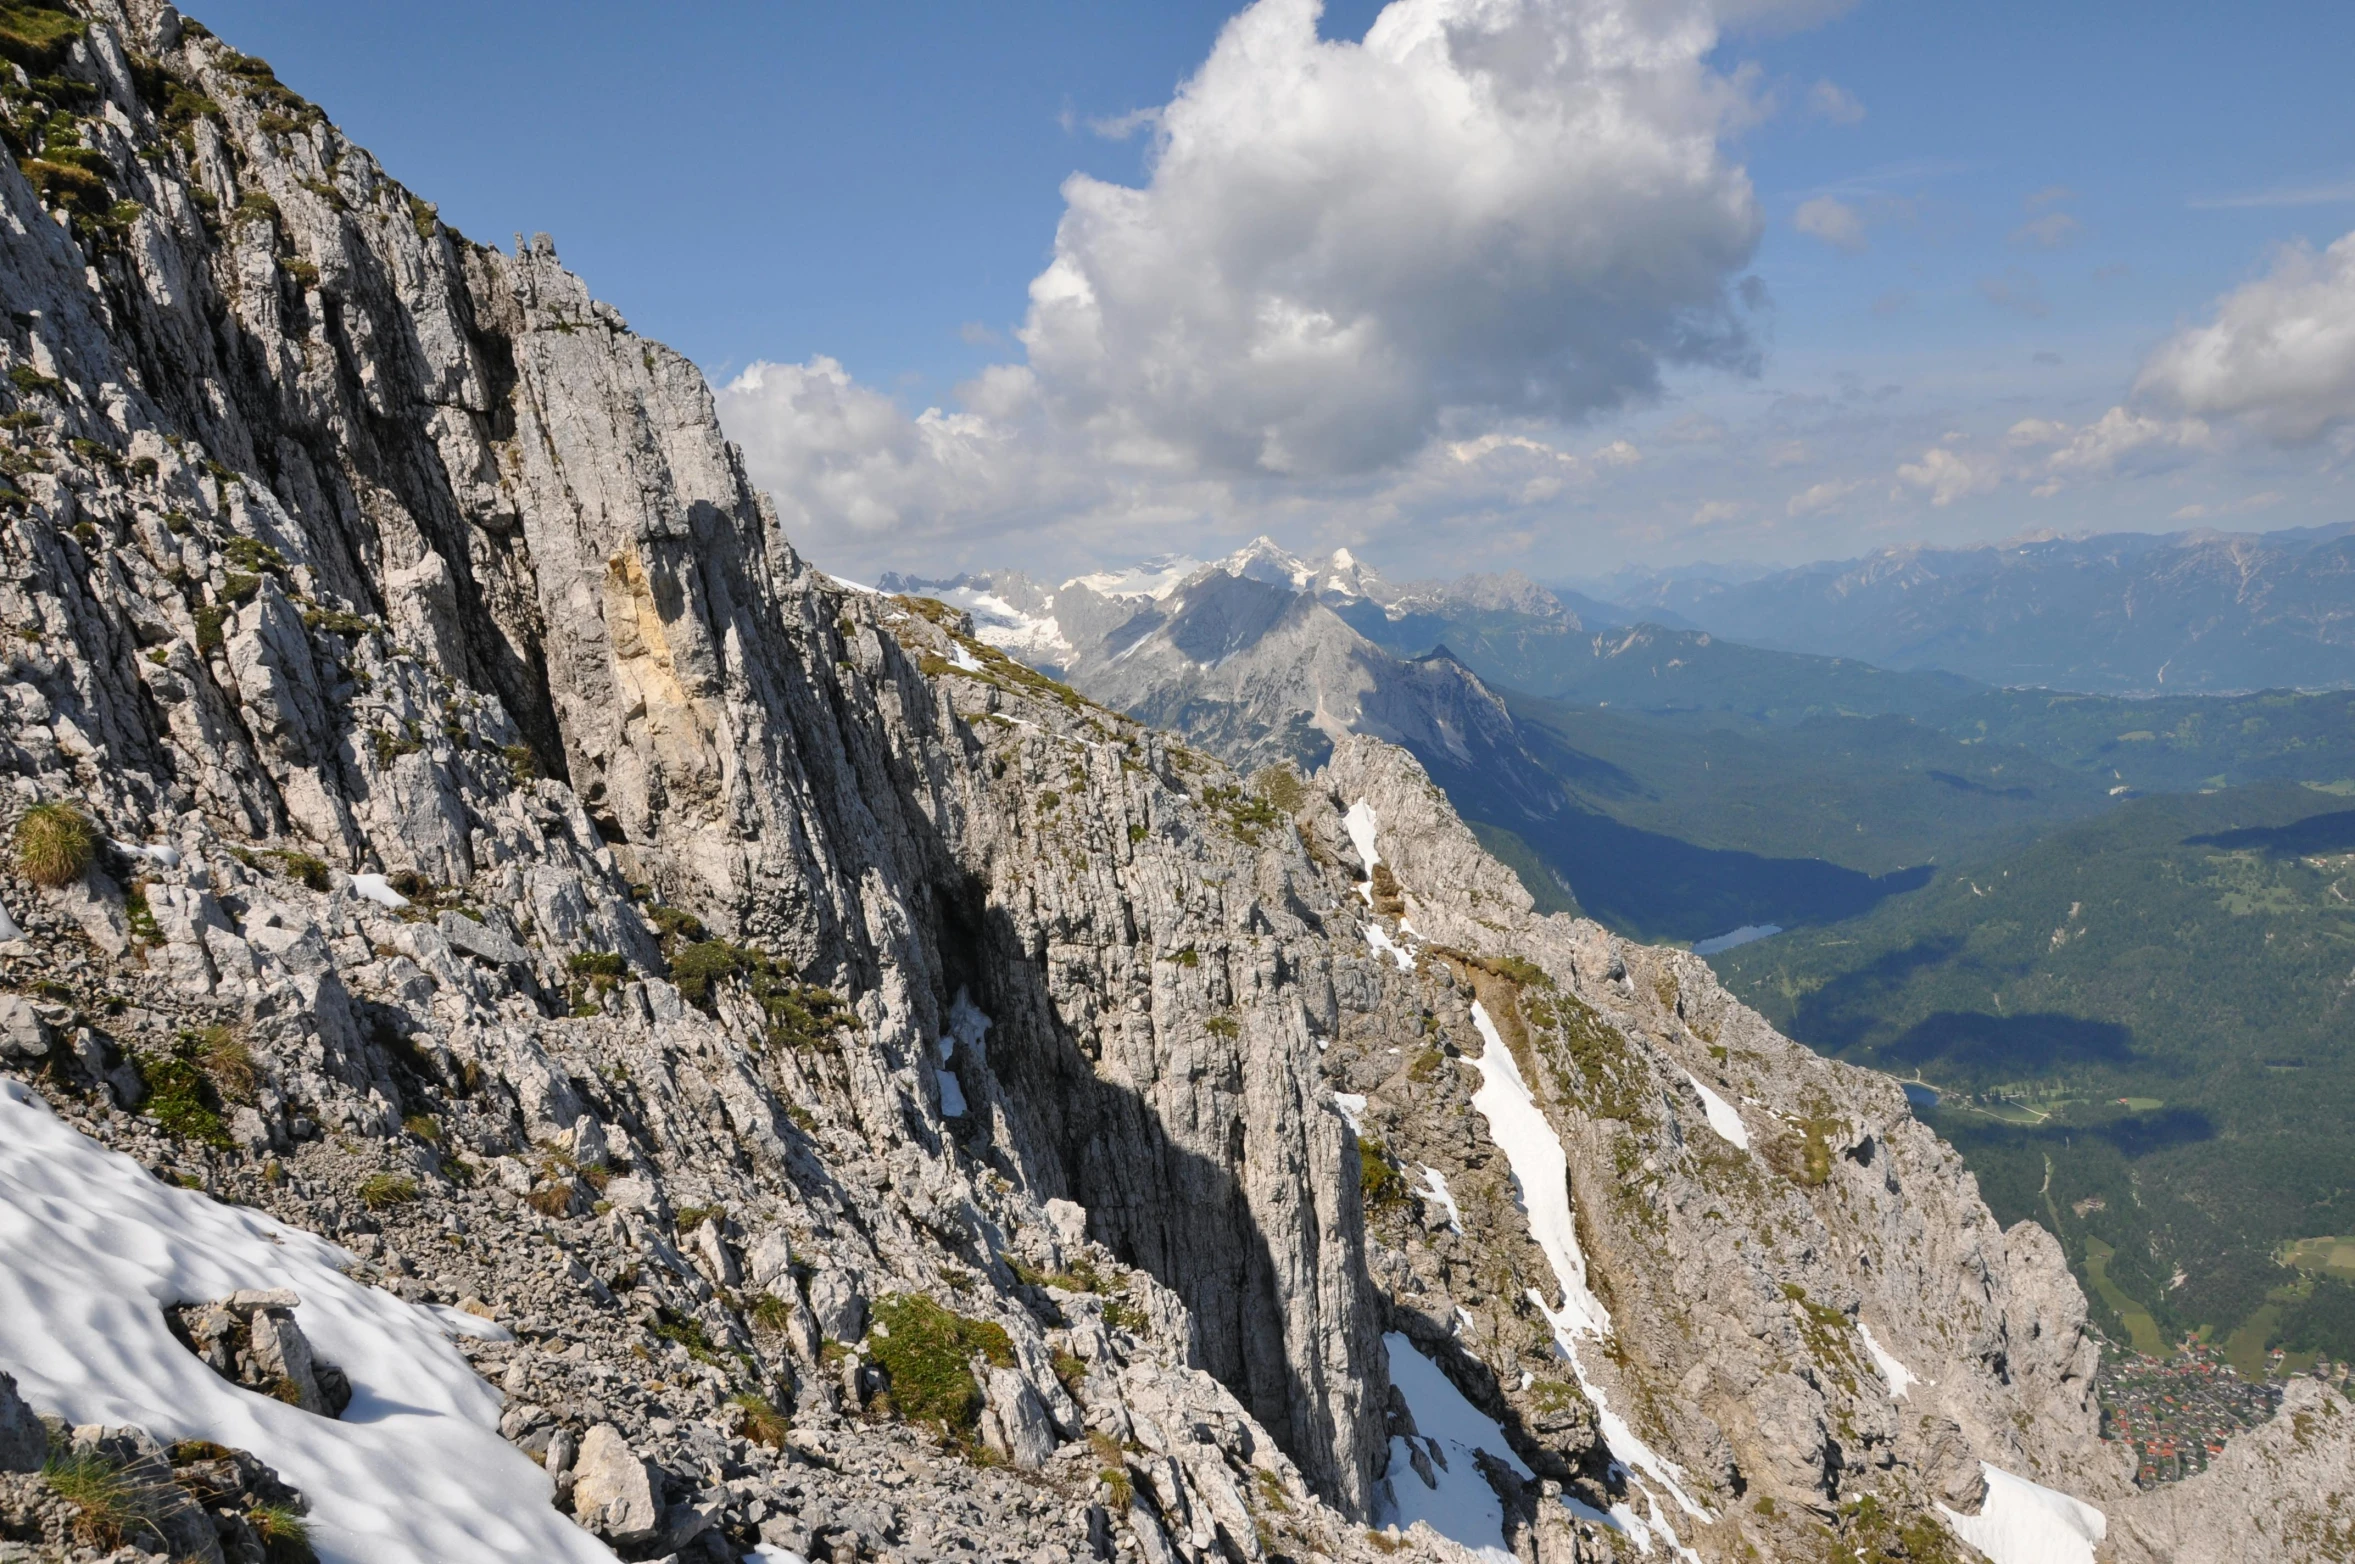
{"points": [[1671, 781], [1247, 658], [2122, 613]]}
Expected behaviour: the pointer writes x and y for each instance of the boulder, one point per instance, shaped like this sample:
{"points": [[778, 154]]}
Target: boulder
{"points": [[283, 1352], [840, 1308], [23, 1034], [482, 941], [613, 1491]]}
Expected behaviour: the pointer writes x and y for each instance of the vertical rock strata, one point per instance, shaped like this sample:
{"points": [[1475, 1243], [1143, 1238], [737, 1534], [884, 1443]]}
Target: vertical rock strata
{"points": [[516, 859]]}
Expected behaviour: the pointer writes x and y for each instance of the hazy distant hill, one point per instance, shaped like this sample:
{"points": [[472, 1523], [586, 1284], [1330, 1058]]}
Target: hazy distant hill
{"points": [[2121, 613]]}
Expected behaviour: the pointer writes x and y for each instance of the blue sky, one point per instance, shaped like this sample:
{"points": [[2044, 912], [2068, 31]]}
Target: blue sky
{"points": [[1971, 234]]}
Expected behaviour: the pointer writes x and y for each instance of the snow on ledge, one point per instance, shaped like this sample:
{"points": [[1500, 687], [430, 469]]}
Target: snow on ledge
{"points": [[1900, 1378], [378, 889], [1384, 945], [2027, 1523], [1541, 1174], [1456, 1501], [92, 1249], [1435, 1188], [1723, 1117]]}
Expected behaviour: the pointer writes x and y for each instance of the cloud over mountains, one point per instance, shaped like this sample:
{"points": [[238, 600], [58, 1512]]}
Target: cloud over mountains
{"points": [[1484, 211]]}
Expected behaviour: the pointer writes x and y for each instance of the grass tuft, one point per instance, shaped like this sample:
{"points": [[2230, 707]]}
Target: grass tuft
{"points": [[113, 1507], [285, 1534], [54, 843], [382, 1191], [928, 1356], [763, 1423]]}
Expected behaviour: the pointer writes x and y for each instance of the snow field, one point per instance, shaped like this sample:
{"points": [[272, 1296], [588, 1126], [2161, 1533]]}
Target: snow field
{"points": [[2027, 1523], [93, 1248], [968, 1028], [1900, 1378], [1383, 944], [1359, 823]]}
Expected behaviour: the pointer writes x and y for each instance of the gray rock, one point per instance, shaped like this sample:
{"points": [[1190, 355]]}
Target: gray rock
{"points": [[613, 1490], [23, 1033], [282, 1352], [24, 1443], [713, 1255], [840, 1307], [1014, 1422], [480, 939]]}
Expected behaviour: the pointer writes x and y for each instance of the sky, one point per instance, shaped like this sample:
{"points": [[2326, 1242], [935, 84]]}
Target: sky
{"points": [[1562, 285]]}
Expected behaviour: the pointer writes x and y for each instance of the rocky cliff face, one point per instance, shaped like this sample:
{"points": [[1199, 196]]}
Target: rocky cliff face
{"points": [[891, 1105]]}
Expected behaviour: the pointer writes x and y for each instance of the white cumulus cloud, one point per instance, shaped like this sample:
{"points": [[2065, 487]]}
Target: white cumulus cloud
{"points": [[1817, 498], [1948, 475], [2279, 354], [1362, 291], [1508, 206], [844, 462], [2118, 442]]}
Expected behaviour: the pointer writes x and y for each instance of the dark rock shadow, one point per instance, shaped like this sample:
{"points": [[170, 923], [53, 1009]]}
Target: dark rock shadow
{"points": [[1175, 1210]]}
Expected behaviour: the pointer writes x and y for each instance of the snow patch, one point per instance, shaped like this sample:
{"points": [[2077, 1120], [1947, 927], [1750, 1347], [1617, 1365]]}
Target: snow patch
{"points": [[962, 660], [2027, 1523], [1435, 1188], [1457, 1501], [1723, 1117], [1026, 637], [92, 1249], [1384, 945], [1900, 1378], [855, 586], [1359, 823], [1542, 1175], [968, 1028], [163, 853], [952, 1094], [378, 889], [8, 928], [1353, 1107], [1155, 578]]}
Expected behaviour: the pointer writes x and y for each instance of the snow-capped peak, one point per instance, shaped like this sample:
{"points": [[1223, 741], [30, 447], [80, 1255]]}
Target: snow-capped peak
{"points": [[1155, 578], [1263, 559]]}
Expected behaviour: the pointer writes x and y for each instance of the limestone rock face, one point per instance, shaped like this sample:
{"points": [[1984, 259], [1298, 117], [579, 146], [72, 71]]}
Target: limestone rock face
{"points": [[613, 1491], [532, 872]]}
